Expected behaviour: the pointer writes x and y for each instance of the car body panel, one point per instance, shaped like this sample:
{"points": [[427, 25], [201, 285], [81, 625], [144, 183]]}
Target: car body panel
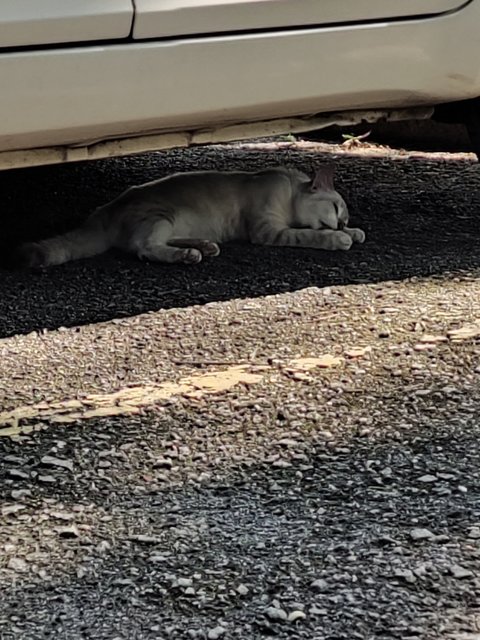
{"points": [[165, 18], [80, 95], [39, 22], [90, 93]]}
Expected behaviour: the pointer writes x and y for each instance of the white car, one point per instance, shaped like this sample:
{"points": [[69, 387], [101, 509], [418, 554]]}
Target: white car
{"points": [[83, 79]]}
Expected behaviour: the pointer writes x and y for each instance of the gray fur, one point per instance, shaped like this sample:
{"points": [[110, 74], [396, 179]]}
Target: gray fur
{"points": [[183, 217]]}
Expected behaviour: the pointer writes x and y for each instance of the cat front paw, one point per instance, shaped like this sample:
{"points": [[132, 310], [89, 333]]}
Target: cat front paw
{"points": [[357, 235], [341, 241]]}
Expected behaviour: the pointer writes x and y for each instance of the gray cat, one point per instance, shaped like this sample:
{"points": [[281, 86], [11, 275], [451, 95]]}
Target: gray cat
{"points": [[181, 218]]}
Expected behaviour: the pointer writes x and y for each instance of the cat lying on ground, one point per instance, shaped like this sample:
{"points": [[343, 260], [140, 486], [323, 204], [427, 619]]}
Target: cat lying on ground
{"points": [[183, 217]]}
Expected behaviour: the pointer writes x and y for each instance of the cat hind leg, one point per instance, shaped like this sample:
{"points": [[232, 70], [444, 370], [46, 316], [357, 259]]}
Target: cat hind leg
{"points": [[152, 243]]}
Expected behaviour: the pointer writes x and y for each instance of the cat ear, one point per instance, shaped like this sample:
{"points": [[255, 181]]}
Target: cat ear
{"points": [[323, 180]]}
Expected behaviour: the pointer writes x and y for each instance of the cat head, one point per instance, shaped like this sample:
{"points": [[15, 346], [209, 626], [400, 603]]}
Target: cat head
{"points": [[318, 205]]}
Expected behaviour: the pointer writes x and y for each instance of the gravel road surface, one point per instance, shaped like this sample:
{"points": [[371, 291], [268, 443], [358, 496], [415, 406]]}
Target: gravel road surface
{"points": [[274, 443]]}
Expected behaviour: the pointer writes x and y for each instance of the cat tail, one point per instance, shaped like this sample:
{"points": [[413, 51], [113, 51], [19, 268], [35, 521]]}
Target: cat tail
{"points": [[86, 241]]}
